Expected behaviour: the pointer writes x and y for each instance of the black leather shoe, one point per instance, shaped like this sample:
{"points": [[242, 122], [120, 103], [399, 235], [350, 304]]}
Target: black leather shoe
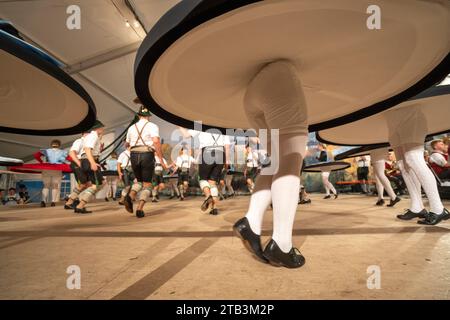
{"points": [[208, 201], [214, 212], [276, 257], [140, 214], [121, 203], [181, 198], [380, 202], [394, 202], [304, 201], [154, 200], [128, 204], [408, 215], [251, 241], [69, 207], [52, 204], [82, 211], [76, 202], [43, 204], [106, 199], [336, 195], [327, 197], [432, 219]]}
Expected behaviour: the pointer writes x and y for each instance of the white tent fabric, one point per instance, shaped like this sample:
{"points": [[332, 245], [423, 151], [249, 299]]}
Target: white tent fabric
{"points": [[100, 55]]}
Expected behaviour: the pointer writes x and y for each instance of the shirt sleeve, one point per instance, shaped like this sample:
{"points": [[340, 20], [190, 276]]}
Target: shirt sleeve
{"points": [[438, 159], [193, 133], [90, 141], [76, 146], [154, 130], [128, 136]]}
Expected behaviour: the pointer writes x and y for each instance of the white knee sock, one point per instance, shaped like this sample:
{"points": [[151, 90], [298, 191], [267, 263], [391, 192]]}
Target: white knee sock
{"points": [[285, 194], [415, 196], [55, 195], [259, 202], [325, 185], [114, 189], [381, 176], [45, 193], [414, 159], [331, 187], [380, 188]]}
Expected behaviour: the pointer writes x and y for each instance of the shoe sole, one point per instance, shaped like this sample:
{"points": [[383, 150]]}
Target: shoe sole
{"points": [[247, 246], [205, 205], [128, 207], [280, 264]]}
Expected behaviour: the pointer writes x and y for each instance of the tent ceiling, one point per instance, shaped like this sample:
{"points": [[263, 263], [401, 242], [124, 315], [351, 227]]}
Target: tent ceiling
{"points": [[100, 56]]}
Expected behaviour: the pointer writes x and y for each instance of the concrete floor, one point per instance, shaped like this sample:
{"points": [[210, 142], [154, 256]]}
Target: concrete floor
{"points": [[177, 252]]}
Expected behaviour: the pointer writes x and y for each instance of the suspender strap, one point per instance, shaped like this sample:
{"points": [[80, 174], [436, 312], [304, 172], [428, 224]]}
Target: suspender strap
{"points": [[139, 132]]}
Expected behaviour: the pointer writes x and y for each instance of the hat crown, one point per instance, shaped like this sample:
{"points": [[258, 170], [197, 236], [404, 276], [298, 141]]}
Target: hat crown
{"points": [[143, 111]]}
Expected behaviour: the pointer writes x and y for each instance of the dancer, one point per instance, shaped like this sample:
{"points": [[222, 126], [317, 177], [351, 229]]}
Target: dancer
{"points": [[51, 178], [362, 173], [323, 157], [143, 139], [407, 131], [215, 149], [276, 87], [378, 158], [182, 166], [111, 175], [90, 173], [158, 178], [228, 190], [252, 167], [125, 173], [75, 165]]}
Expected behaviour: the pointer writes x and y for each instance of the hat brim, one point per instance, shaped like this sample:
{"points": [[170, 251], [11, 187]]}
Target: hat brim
{"points": [[435, 103], [327, 166], [196, 62], [40, 99]]}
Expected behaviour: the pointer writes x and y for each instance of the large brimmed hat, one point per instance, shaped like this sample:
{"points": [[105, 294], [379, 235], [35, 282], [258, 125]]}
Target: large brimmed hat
{"points": [[37, 96], [326, 166], [197, 61], [434, 102]]}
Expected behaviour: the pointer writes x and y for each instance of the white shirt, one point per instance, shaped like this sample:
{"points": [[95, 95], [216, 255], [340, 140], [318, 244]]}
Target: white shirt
{"points": [[438, 158], [149, 132], [363, 163], [207, 139], [252, 159], [184, 161], [92, 141], [124, 159], [77, 146]]}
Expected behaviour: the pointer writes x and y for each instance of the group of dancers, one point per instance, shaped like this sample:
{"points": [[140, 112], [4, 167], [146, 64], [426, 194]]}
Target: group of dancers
{"points": [[143, 170]]}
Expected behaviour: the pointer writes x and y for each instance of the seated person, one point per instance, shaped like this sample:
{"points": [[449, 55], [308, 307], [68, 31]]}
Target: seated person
{"points": [[303, 198], [2, 195], [439, 159], [394, 175], [23, 193], [12, 198]]}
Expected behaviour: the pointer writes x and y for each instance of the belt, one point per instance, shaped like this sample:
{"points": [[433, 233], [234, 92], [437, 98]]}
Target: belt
{"points": [[142, 149], [96, 159]]}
